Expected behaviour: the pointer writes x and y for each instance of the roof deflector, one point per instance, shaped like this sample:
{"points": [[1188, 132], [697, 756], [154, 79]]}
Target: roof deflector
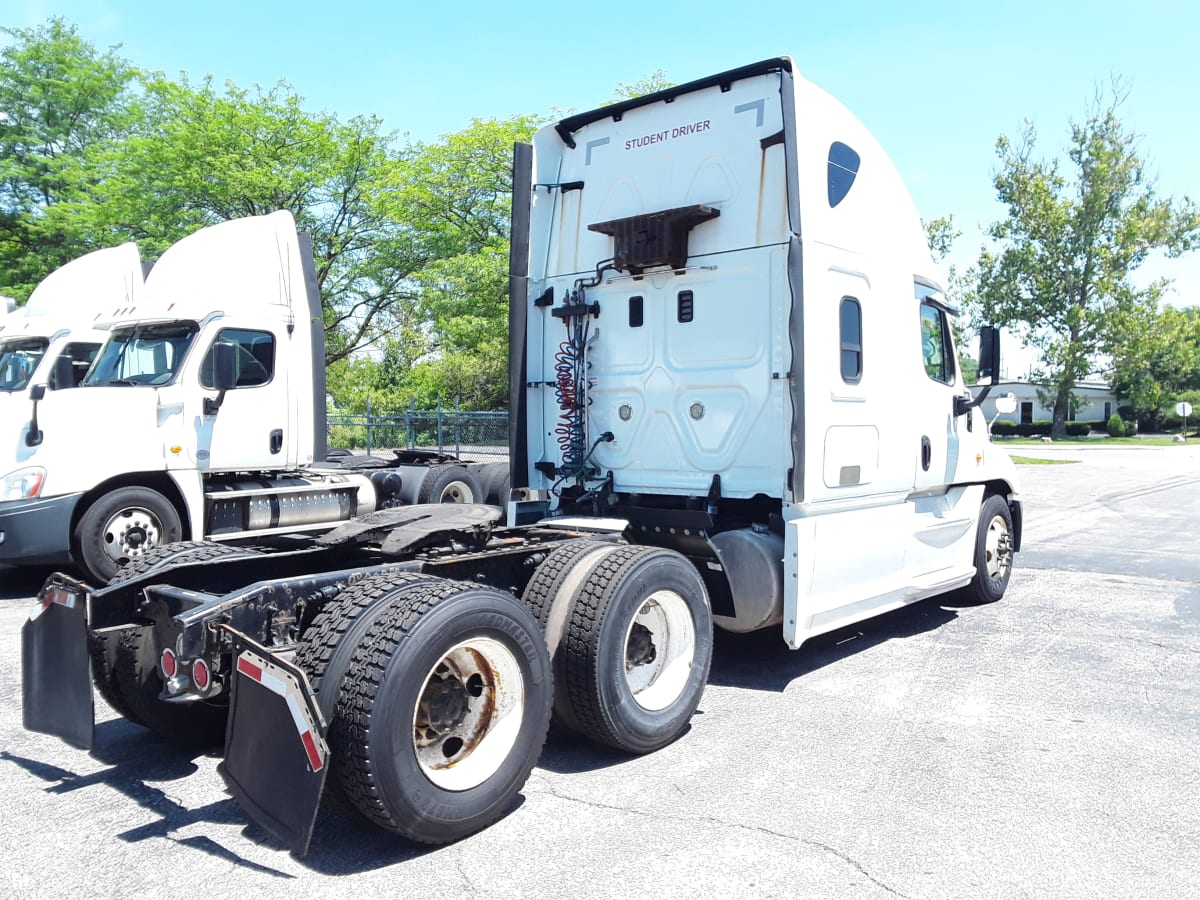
{"points": [[567, 127]]}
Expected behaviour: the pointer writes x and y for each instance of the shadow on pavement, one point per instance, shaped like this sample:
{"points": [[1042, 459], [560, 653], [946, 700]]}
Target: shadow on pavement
{"points": [[20, 582], [762, 661], [138, 761]]}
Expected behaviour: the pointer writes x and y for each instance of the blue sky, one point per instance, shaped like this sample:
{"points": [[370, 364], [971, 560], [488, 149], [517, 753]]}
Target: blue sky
{"points": [[936, 82]]}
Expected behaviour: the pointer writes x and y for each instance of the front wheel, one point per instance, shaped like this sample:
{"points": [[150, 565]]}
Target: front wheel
{"points": [[443, 711], [993, 552], [121, 526]]}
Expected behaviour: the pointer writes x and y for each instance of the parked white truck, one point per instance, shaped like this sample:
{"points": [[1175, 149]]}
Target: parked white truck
{"points": [[154, 447], [46, 347], [735, 401]]}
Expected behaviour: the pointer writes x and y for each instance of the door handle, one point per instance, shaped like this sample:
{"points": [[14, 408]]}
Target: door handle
{"points": [[276, 440], [926, 452]]}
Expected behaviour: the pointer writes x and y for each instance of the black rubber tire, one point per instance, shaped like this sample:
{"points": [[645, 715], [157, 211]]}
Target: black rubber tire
{"points": [[372, 733], [550, 596], [449, 483], [91, 533], [552, 572], [125, 666], [494, 477], [192, 551], [327, 646], [603, 705], [103, 647], [983, 587]]}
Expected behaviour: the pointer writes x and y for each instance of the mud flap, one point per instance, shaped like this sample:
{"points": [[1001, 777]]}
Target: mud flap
{"points": [[275, 752], [56, 672]]}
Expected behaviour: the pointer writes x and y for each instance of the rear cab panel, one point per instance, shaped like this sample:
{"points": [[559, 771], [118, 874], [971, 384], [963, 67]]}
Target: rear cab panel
{"points": [[678, 369]]}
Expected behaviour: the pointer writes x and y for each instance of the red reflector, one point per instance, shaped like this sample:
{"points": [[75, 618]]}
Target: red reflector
{"points": [[200, 675], [59, 596], [310, 747], [167, 662], [248, 668]]}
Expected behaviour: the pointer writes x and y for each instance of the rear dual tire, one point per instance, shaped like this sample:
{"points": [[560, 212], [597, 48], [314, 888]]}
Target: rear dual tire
{"points": [[450, 483], [440, 698], [630, 631]]}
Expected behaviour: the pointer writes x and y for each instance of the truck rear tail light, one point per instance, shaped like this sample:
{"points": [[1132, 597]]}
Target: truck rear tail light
{"points": [[201, 677], [168, 664]]}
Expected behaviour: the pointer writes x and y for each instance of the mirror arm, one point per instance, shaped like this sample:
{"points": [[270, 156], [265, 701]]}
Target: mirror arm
{"points": [[212, 404], [962, 404]]}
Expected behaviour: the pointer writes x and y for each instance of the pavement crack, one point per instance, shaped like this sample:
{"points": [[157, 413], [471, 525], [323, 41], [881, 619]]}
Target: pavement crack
{"points": [[855, 864], [472, 888], [714, 820]]}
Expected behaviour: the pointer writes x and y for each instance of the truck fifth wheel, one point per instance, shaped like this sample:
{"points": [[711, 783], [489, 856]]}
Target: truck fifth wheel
{"points": [[735, 402]]}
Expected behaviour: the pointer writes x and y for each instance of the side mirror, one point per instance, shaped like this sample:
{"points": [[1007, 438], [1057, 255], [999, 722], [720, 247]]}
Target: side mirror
{"points": [[34, 435], [224, 375], [989, 367], [63, 375], [989, 352], [1007, 404]]}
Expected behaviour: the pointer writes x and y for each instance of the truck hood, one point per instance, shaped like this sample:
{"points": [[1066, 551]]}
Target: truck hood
{"points": [[131, 420]]}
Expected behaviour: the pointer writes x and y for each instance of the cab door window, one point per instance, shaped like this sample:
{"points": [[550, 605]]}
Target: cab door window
{"points": [[255, 357], [936, 346]]}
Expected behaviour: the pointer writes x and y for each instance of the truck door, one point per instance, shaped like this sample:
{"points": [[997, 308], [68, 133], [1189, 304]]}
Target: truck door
{"points": [[252, 428], [936, 442]]}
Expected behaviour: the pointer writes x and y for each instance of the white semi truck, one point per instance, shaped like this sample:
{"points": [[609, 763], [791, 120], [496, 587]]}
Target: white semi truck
{"points": [[46, 347], [735, 402], [153, 447]]}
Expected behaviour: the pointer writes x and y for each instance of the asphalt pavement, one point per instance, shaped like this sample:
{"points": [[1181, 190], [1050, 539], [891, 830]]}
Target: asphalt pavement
{"points": [[1043, 746]]}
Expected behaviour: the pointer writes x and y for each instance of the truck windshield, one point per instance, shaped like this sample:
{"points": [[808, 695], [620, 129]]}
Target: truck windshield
{"points": [[145, 354], [18, 359]]}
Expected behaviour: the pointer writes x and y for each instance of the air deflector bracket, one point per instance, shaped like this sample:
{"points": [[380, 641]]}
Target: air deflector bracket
{"points": [[654, 239]]}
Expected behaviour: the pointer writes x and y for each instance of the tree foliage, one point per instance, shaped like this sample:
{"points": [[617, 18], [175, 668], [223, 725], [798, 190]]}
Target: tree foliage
{"points": [[1156, 360], [649, 84], [59, 98], [1060, 274], [201, 155]]}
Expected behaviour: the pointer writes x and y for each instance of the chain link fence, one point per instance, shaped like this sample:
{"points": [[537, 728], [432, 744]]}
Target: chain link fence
{"points": [[470, 434]]}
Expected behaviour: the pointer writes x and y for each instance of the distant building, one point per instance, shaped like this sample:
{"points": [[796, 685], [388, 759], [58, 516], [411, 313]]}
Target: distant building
{"points": [[1098, 402]]}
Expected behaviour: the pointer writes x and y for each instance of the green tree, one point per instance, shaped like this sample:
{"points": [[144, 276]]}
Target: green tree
{"points": [[202, 155], [59, 98], [1060, 274], [655, 81], [1156, 360], [457, 192]]}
